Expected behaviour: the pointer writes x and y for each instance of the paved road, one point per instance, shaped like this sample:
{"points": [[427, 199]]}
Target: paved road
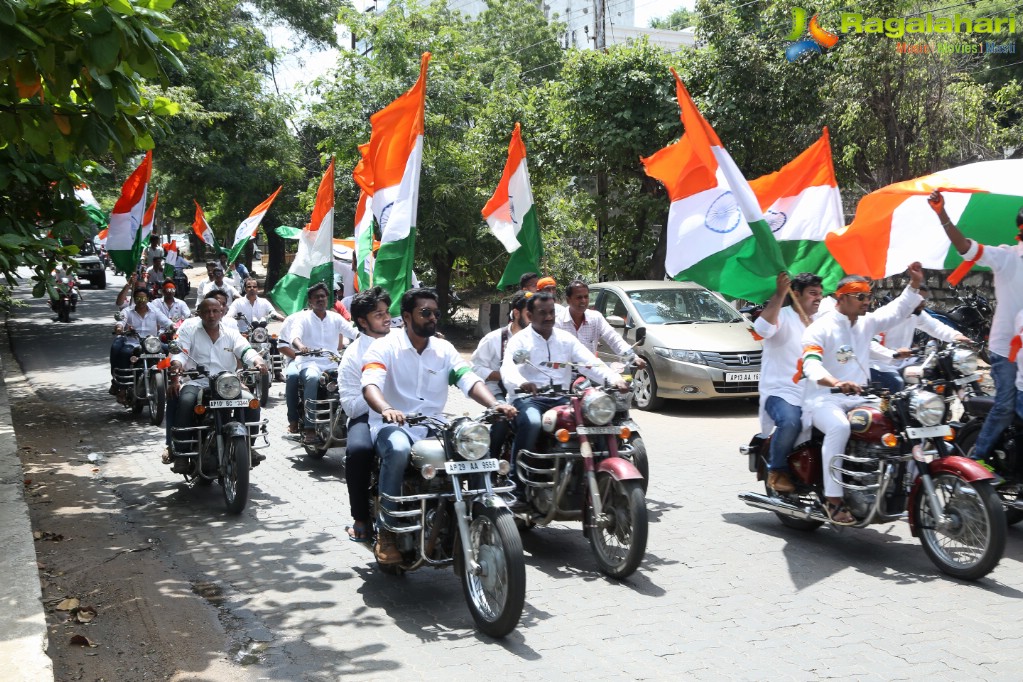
{"points": [[724, 592]]}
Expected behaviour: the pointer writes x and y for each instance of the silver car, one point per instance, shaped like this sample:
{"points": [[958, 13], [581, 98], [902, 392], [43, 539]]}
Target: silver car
{"points": [[697, 346]]}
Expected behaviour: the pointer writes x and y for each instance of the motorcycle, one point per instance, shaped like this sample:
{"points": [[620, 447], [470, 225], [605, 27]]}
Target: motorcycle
{"points": [[459, 519], [181, 283], [145, 381], [971, 316], [324, 410], [1006, 456], [579, 471], [950, 370], [65, 298], [218, 447], [896, 461], [259, 338]]}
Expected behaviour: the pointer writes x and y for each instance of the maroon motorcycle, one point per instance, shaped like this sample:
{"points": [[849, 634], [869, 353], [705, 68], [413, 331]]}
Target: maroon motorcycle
{"points": [[897, 460]]}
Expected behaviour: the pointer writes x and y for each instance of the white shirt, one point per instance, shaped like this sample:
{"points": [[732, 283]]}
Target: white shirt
{"points": [[323, 334], [592, 331], [155, 275], [197, 322], [220, 356], [487, 358], [152, 253], [1018, 323], [560, 347], [900, 335], [287, 330], [208, 286], [783, 346], [1006, 262], [178, 310], [251, 311], [148, 325], [414, 382], [349, 377]]}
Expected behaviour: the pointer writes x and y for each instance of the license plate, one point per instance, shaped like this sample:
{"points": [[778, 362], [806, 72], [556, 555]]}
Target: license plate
{"points": [[929, 431], [967, 380], [238, 402], [477, 467], [152, 356], [598, 430], [742, 376]]}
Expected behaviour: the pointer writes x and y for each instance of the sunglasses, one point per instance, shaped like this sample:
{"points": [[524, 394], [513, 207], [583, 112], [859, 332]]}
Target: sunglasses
{"points": [[429, 312], [859, 297]]}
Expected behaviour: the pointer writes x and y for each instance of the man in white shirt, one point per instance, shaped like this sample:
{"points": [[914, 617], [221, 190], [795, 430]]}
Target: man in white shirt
{"points": [[781, 328], [225, 321], [205, 285], [405, 372], [588, 325], [218, 284], [218, 349], [1006, 263], [154, 275], [545, 344], [251, 307], [138, 323], [315, 329], [836, 354], [174, 308], [370, 313], [155, 249]]}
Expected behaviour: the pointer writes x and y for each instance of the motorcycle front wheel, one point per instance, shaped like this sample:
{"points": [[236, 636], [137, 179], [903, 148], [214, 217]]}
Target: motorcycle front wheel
{"points": [[495, 597], [264, 389], [971, 542], [639, 458], [236, 474], [618, 539], [157, 399]]}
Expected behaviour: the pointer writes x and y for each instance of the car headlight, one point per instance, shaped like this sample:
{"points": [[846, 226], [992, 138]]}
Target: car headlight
{"points": [[598, 407], [692, 356], [152, 344], [259, 335], [964, 361], [928, 408], [227, 385], [472, 440]]}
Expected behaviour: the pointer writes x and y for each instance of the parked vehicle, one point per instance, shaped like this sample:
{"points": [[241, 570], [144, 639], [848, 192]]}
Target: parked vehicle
{"points": [[145, 381], [697, 346], [896, 461], [324, 410], [458, 518]]}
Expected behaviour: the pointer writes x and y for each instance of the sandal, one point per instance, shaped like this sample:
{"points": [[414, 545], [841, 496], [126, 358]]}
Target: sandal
{"points": [[839, 514], [359, 532]]}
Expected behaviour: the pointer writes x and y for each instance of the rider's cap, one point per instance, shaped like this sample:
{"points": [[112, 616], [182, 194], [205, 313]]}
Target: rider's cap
{"points": [[546, 282]]}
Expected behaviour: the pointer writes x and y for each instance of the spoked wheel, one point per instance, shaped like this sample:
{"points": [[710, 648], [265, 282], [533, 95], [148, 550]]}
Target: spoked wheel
{"points": [[644, 388], [966, 439], [969, 541], [639, 458], [157, 399], [495, 596], [619, 539], [236, 474], [264, 389], [1012, 494], [64, 314]]}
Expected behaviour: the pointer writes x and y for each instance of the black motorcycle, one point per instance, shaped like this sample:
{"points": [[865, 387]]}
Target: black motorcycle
{"points": [[258, 337], [1006, 456], [971, 316]]}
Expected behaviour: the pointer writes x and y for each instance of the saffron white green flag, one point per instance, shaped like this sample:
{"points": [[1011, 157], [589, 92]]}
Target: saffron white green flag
{"points": [[148, 221], [512, 217], [364, 254], [91, 206], [202, 228], [248, 228], [314, 261], [171, 258], [124, 236]]}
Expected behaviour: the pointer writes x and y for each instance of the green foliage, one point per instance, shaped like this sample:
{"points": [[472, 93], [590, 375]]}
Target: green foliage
{"points": [[679, 19]]}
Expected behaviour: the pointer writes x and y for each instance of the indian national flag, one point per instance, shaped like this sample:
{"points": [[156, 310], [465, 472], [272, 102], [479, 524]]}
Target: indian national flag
{"points": [[91, 206], [247, 230], [314, 261], [364, 254], [717, 233], [512, 217], [171, 258], [894, 226], [148, 221], [802, 204], [124, 236], [393, 160], [202, 228]]}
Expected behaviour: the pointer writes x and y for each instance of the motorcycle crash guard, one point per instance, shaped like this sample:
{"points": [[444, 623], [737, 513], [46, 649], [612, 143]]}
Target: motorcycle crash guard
{"points": [[620, 469], [964, 467]]}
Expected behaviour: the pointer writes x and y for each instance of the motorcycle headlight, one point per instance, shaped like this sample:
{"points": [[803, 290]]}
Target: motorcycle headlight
{"points": [[152, 344], [259, 335], [598, 407], [928, 408], [964, 361], [472, 440], [227, 385]]}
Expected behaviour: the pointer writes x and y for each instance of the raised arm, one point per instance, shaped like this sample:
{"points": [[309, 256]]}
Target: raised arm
{"points": [[958, 239]]}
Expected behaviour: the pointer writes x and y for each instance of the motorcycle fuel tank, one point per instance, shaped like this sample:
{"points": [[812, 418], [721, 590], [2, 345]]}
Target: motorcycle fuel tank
{"points": [[428, 451], [868, 423]]}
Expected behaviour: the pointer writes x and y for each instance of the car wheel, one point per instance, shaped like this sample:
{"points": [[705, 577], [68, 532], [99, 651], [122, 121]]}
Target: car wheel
{"points": [[100, 282], [644, 387]]}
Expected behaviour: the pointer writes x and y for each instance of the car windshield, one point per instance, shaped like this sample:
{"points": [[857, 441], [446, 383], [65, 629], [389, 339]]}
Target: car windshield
{"points": [[87, 249], [681, 306]]}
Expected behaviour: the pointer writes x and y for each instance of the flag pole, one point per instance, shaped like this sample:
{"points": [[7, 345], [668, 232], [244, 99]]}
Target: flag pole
{"points": [[799, 308]]}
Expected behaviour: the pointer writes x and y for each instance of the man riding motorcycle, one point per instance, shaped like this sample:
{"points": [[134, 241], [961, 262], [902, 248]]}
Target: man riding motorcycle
{"points": [[409, 372], [142, 320], [251, 306], [171, 306], [588, 325], [836, 354]]}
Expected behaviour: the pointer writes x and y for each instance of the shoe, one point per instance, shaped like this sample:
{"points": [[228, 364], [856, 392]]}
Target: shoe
{"points": [[311, 438], [166, 457], [386, 550], [122, 396], [779, 481], [998, 480], [839, 514], [113, 389], [359, 532], [256, 456], [293, 427], [279, 377]]}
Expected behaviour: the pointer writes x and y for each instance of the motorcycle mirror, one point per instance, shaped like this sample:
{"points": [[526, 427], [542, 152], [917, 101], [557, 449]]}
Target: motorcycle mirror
{"points": [[520, 357], [932, 345], [640, 336], [173, 348], [118, 316]]}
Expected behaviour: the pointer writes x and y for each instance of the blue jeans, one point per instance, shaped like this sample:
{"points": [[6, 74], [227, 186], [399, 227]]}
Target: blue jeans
{"points": [[1004, 374], [359, 467], [394, 447], [291, 378], [889, 379], [527, 422], [788, 423]]}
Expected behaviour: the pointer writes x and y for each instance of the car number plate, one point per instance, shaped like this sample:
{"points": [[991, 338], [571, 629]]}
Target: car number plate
{"points": [[929, 431], [742, 376], [237, 402], [598, 430], [478, 466], [152, 356]]}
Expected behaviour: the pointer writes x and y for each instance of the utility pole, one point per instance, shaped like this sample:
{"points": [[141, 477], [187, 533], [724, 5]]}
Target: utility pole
{"points": [[600, 43]]}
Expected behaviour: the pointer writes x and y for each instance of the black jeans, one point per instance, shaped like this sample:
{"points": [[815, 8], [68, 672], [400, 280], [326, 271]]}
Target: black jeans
{"points": [[359, 467]]}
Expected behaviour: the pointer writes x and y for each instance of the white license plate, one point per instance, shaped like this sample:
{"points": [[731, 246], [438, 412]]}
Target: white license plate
{"points": [[238, 402], [962, 381], [477, 467], [929, 431], [152, 356], [599, 430], [742, 376]]}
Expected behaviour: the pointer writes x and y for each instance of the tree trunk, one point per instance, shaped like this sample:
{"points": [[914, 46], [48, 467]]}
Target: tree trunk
{"points": [[442, 266], [275, 266]]}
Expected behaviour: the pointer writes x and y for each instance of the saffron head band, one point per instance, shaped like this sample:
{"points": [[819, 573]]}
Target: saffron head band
{"points": [[853, 288]]}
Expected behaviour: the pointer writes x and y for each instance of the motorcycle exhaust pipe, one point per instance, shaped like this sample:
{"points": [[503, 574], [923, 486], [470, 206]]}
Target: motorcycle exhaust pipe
{"points": [[780, 506]]}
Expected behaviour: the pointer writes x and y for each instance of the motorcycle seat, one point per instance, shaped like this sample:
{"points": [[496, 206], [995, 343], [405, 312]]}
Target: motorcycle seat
{"points": [[980, 405]]}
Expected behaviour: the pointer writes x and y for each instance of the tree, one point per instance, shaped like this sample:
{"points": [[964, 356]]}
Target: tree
{"points": [[679, 19], [73, 81]]}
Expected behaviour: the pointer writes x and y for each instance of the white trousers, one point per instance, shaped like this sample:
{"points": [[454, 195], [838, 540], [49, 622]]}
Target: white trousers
{"points": [[829, 415]]}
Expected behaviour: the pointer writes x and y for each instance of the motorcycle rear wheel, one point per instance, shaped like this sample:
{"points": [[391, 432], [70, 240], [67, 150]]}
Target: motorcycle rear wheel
{"points": [[973, 542], [235, 479], [618, 540], [157, 399], [495, 598], [805, 525], [64, 314], [966, 439]]}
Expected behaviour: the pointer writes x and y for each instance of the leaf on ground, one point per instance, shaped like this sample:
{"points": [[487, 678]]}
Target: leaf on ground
{"points": [[82, 640], [86, 614], [68, 604]]}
